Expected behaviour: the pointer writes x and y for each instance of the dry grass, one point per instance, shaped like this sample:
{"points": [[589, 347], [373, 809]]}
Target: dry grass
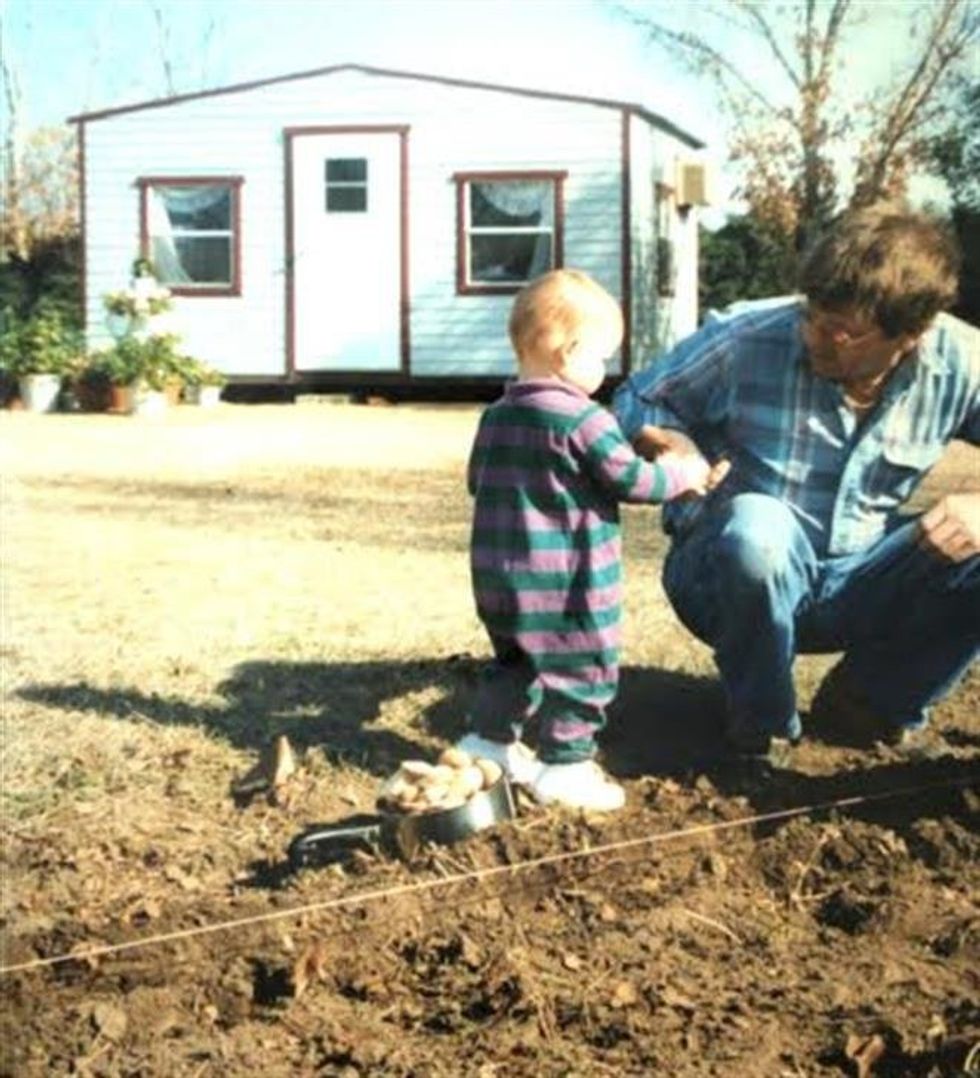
{"points": [[178, 593], [185, 589]]}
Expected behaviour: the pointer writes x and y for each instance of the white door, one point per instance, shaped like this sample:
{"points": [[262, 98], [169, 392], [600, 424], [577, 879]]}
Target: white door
{"points": [[346, 252]]}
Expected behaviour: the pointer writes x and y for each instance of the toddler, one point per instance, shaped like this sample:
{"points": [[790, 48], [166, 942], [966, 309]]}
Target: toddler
{"points": [[547, 472]]}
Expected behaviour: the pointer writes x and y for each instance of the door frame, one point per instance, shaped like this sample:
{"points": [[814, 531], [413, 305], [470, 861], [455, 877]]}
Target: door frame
{"points": [[289, 135]]}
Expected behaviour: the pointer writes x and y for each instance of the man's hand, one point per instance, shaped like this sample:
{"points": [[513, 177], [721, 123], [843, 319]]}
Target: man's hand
{"points": [[951, 528], [651, 441], [673, 449]]}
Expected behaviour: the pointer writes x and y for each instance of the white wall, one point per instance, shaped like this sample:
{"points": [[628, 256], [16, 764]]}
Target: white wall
{"points": [[659, 321], [452, 129]]}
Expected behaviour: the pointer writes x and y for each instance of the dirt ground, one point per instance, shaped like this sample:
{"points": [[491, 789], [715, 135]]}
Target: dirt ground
{"points": [[179, 593]]}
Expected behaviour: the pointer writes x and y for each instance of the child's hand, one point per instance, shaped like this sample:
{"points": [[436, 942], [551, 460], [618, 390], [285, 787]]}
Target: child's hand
{"points": [[717, 475], [690, 475]]}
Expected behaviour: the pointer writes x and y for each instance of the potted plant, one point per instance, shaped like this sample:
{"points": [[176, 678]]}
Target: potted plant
{"points": [[202, 383], [132, 311], [145, 369], [91, 383], [38, 352]]}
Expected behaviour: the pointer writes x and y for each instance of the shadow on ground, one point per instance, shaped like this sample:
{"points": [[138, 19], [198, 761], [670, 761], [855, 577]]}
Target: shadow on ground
{"points": [[663, 723]]}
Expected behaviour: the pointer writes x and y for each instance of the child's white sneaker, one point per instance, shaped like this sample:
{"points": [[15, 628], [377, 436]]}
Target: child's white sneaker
{"points": [[580, 785], [517, 760]]}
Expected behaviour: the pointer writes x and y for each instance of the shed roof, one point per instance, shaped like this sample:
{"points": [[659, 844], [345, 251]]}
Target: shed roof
{"points": [[653, 118]]}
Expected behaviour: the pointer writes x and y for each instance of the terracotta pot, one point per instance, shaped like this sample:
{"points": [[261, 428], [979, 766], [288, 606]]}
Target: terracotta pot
{"points": [[93, 396], [119, 399]]}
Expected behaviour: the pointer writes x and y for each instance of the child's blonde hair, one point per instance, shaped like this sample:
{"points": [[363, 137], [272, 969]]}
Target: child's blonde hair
{"points": [[555, 310]]}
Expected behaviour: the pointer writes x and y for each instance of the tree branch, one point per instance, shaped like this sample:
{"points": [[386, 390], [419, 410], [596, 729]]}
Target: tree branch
{"points": [[698, 55], [838, 13], [162, 41], [943, 47], [754, 12]]}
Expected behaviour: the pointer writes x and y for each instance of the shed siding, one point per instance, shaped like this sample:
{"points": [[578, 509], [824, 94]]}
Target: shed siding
{"points": [[451, 129], [643, 226]]}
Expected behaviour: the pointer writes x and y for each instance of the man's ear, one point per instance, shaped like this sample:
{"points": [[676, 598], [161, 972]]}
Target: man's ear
{"points": [[910, 341]]}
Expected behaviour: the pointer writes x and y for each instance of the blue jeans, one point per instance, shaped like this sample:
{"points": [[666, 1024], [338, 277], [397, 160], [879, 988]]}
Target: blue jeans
{"points": [[746, 581]]}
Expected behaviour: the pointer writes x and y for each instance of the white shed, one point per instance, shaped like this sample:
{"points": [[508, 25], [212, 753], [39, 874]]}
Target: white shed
{"points": [[353, 226]]}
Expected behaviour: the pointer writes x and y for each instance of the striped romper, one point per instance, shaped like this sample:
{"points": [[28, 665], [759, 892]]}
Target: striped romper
{"points": [[547, 472]]}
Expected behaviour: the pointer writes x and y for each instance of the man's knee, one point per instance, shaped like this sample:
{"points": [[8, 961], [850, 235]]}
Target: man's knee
{"points": [[759, 541]]}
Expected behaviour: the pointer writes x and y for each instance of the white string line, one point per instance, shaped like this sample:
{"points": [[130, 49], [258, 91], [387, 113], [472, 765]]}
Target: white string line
{"points": [[364, 897]]}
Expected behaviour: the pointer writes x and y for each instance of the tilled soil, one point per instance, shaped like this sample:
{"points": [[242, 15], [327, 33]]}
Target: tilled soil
{"points": [[699, 932], [183, 595]]}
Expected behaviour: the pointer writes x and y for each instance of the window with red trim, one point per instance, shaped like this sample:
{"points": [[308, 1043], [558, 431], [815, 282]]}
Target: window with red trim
{"points": [[191, 230], [509, 229]]}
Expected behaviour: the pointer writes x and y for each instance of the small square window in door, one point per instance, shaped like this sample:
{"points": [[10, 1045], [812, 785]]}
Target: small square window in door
{"points": [[346, 184]]}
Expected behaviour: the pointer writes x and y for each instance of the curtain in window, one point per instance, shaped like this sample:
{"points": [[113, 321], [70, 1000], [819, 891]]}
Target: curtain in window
{"points": [[182, 211], [519, 203], [511, 223], [164, 250]]}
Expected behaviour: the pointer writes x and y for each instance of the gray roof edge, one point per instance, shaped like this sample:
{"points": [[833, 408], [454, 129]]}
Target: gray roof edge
{"points": [[653, 118]]}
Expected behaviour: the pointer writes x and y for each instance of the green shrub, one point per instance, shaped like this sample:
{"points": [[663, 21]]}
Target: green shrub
{"points": [[153, 361], [41, 344]]}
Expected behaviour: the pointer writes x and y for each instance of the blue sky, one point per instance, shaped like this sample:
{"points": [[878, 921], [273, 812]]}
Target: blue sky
{"points": [[79, 55], [75, 56]]}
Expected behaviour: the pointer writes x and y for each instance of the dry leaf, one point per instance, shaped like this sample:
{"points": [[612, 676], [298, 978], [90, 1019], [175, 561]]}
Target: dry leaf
{"points": [[672, 998], [80, 949], [109, 1020], [175, 874], [284, 795], [624, 995], [937, 1030], [469, 952], [277, 763], [865, 1051], [310, 966], [141, 910], [283, 762]]}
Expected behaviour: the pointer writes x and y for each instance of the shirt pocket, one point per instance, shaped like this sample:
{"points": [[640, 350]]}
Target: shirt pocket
{"points": [[899, 470]]}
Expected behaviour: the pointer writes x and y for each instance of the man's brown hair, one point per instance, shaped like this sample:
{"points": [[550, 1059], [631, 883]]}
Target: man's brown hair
{"points": [[890, 264]]}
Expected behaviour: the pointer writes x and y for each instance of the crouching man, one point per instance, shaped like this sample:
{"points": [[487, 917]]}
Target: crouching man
{"points": [[831, 407]]}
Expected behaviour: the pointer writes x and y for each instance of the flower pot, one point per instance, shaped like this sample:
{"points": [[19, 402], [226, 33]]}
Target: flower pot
{"points": [[120, 399], [39, 392], [93, 396], [203, 396], [141, 401], [117, 324]]}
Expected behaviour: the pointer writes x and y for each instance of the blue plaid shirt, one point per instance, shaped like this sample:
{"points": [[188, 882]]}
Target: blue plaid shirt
{"points": [[741, 387]]}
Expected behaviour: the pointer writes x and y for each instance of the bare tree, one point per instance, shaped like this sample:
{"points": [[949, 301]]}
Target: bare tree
{"points": [[163, 42], [41, 196], [793, 107], [176, 72], [14, 239]]}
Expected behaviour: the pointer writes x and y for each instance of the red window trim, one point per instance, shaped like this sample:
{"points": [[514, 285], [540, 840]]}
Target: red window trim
{"points": [[461, 179], [235, 184]]}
